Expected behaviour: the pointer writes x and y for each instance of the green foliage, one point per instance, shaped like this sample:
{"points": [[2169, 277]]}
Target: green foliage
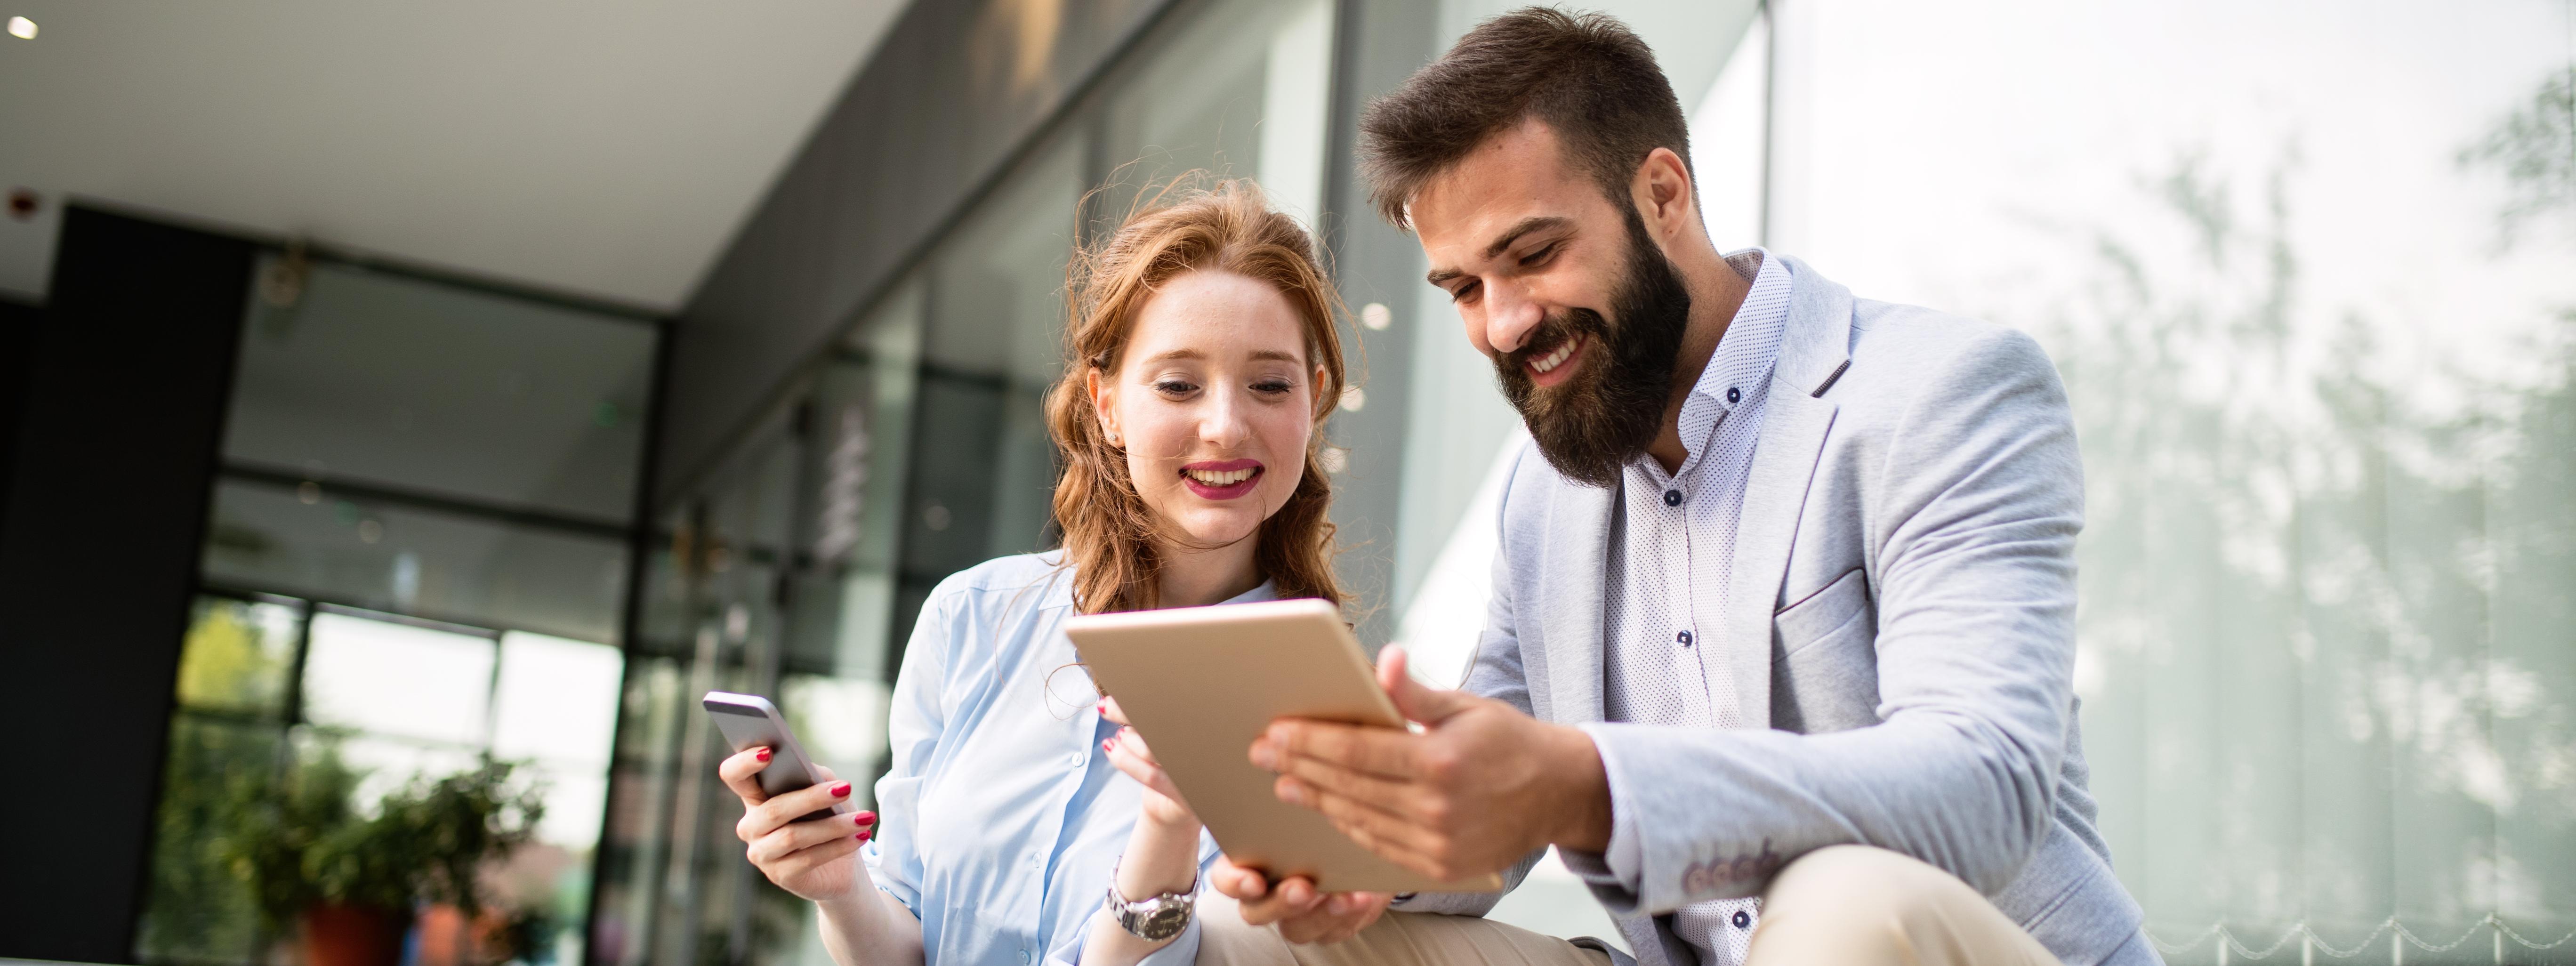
{"points": [[300, 841]]}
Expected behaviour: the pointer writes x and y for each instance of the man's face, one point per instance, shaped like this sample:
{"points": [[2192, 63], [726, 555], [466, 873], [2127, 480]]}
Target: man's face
{"points": [[1564, 289]]}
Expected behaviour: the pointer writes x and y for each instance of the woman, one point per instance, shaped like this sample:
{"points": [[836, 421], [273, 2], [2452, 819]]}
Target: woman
{"points": [[1203, 363]]}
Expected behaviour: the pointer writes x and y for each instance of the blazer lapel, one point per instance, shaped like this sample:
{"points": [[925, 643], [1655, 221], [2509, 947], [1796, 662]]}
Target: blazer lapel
{"points": [[1574, 590], [1814, 351]]}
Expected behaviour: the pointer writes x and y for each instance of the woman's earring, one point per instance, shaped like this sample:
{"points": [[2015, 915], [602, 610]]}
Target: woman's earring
{"points": [[1112, 436]]}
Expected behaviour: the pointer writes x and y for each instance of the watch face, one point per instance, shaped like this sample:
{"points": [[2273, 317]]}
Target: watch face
{"points": [[1167, 921]]}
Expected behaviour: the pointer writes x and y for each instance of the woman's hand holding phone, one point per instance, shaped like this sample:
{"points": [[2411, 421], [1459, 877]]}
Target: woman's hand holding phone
{"points": [[813, 859]]}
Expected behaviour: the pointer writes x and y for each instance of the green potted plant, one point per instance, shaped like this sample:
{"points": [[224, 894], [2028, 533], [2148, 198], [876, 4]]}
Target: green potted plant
{"points": [[349, 883]]}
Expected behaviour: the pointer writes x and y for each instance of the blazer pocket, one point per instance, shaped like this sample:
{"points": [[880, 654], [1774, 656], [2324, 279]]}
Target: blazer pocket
{"points": [[1823, 612]]}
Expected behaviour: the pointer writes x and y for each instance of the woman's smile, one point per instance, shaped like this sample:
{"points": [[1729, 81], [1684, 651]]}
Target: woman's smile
{"points": [[1221, 479]]}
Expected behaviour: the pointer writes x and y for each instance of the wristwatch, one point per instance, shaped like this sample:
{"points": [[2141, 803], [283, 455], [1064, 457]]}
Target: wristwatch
{"points": [[1155, 918]]}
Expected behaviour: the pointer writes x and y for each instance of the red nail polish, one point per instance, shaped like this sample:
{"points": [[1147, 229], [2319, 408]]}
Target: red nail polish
{"points": [[863, 818], [763, 755], [1104, 744], [863, 836], [841, 790]]}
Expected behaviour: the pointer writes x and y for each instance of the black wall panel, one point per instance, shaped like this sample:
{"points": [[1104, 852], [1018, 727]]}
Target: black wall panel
{"points": [[117, 440]]}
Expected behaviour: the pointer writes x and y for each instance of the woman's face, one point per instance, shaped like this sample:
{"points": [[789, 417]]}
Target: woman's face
{"points": [[1213, 401]]}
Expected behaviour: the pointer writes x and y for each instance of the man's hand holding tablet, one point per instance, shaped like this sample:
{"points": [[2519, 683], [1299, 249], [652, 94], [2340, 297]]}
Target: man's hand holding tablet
{"points": [[1478, 788], [1203, 684]]}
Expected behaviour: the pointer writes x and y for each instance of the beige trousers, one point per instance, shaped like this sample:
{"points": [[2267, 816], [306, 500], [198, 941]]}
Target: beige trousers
{"points": [[1848, 904]]}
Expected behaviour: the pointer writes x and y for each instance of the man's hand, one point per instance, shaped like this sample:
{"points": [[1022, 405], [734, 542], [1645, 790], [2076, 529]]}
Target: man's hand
{"points": [[1480, 787], [1304, 914]]}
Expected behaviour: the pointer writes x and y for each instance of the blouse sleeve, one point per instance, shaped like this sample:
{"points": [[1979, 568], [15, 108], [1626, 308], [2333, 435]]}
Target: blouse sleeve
{"points": [[913, 725]]}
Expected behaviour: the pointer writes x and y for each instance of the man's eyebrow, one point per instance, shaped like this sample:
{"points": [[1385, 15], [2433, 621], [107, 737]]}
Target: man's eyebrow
{"points": [[1504, 241], [1526, 226]]}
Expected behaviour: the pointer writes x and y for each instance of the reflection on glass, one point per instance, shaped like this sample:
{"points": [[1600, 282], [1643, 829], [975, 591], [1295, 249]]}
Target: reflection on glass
{"points": [[414, 561], [434, 387], [2323, 379]]}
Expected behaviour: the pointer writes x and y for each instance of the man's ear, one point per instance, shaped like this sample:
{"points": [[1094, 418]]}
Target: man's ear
{"points": [[1104, 401], [1664, 194]]}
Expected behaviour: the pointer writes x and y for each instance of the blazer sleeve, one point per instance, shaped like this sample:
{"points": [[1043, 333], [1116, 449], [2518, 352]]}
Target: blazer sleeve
{"points": [[1496, 673], [1973, 523]]}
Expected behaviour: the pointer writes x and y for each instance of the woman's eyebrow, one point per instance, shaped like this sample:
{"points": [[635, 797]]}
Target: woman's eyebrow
{"points": [[1258, 355]]}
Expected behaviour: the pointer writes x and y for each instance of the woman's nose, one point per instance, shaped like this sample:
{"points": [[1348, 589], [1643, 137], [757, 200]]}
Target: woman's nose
{"points": [[1224, 424]]}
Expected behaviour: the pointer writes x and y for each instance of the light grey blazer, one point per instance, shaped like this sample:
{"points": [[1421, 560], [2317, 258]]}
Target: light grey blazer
{"points": [[1910, 516]]}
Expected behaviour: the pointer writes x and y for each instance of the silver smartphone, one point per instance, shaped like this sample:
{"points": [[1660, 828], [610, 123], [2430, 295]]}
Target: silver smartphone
{"points": [[750, 721]]}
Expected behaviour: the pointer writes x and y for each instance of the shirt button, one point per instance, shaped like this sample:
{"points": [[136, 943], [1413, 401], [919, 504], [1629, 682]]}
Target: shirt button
{"points": [[1672, 497], [1731, 397], [1024, 954], [1743, 920], [1684, 637]]}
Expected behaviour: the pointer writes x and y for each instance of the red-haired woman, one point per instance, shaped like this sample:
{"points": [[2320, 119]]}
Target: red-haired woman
{"points": [[1202, 362]]}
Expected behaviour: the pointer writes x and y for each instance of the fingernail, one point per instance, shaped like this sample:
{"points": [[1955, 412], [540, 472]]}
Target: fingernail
{"points": [[1106, 742], [1292, 794], [763, 755], [841, 790], [863, 818], [863, 836], [1261, 756]]}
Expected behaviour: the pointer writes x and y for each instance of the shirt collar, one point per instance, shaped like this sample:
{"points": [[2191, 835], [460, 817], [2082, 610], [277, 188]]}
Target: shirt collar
{"points": [[1269, 590], [1752, 342], [1059, 592], [1742, 361]]}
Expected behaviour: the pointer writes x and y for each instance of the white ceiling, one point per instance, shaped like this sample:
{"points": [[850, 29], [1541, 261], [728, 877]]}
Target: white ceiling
{"points": [[606, 149]]}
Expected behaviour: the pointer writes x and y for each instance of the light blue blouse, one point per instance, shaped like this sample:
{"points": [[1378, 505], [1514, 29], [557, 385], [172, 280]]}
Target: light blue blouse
{"points": [[1001, 818]]}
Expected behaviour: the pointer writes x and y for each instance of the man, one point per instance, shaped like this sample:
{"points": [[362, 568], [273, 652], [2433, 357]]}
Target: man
{"points": [[1780, 648]]}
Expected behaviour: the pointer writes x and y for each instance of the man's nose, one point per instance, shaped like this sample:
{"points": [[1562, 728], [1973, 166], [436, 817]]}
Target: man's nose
{"points": [[1510, 317]]}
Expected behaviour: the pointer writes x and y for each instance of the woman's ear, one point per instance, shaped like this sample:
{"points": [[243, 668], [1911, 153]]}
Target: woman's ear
{"points": [[1104, 404]]}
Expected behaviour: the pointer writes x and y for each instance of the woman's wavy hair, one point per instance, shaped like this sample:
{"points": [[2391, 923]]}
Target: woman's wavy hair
{"points": [[1109, 533]]}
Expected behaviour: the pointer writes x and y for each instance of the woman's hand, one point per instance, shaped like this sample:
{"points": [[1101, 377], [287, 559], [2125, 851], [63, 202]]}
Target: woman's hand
{"points": [[1162, 799], [812, 859]]}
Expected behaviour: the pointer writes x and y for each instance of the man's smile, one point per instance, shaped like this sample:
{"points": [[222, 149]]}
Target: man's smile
{"points": [[1558, 364]]}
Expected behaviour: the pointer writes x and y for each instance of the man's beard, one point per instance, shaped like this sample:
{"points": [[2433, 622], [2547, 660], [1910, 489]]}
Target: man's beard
{"points": [[1595, 422]]}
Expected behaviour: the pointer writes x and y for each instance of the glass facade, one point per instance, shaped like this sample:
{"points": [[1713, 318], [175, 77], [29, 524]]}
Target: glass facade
{"points": [[2306, 270], [416, 566]]}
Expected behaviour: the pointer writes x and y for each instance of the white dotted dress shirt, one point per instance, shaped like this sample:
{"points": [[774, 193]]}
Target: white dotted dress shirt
{"points": [[1672, 548]]}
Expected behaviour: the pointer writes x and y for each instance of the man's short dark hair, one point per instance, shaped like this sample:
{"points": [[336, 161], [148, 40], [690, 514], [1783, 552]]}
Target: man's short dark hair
{"points": [[1586, 75]]}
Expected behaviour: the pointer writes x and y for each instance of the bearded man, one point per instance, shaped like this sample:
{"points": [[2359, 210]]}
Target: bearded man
{"points": [[1780, 651]]}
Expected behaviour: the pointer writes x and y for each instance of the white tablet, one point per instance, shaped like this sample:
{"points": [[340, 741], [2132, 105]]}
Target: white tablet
{"points": [[1200, 683]]}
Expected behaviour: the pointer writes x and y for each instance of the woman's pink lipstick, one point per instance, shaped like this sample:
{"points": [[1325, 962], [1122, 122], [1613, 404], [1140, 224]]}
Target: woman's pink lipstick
{"points": [[1245, 474]]}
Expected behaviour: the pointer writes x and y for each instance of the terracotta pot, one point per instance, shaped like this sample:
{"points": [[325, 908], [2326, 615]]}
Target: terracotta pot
{"points": [[338, 935]]}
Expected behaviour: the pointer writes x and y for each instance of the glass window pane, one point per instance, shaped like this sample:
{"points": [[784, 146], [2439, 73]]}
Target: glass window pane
{"points": [[840, 721], [395, 679], [416, 562], [387, 765], [197, 910], [238, 655], [556, 701], [2323, 641], [434, 387]]}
